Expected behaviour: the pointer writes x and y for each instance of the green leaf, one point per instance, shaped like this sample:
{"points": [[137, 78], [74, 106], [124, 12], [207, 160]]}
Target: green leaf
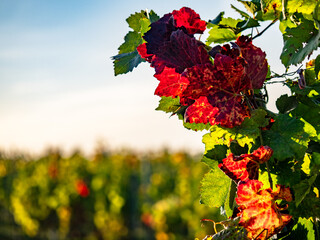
{"points": [[287, 173], [284, 24], [243, 14], [245, 134], [230, 201], [197, 126], [286, 104], [224, 31], [306, 7], [317, 66], [134, 20], [270, 9], [309, 207], [316, 158], [302, 189], [128, 57], [287, 138], [299, 42], [259, 116], [310, 76], [246, 24], [214, 188], [153, 16], [310, 113], [302, 230], [125, 62], [168, 104], [131, 41], [251, 6], [264, 178], [144, 26], [218, 19]]}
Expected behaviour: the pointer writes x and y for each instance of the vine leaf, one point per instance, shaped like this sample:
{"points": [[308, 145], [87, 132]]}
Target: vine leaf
{"points": [[306, 7], [201, 111], [260, 214], [287, 138], [317, 66], [214, 187], [302, 189], [302, 230], [172, 84], [245, 166], [299, 42], [128, 57], [286, 104], [168, 104], [223, 31]]}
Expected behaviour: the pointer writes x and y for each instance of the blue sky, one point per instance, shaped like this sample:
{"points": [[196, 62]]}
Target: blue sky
{"points": [[57, 86]]}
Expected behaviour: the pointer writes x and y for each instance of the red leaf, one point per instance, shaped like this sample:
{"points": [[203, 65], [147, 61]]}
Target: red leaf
{"points": [[245, 166], [188, 18], [232, 109], [142, 50], [259, 213], [257, 67], [180, 52], [222, 83], [172, 84], [201, 112]]}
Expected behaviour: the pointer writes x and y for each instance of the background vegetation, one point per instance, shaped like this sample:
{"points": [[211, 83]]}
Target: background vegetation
{"points": [[112, 195]]}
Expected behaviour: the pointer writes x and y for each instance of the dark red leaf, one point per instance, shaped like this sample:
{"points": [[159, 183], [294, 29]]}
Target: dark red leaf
{"points": [[222, 83], [180, 52], [160, 31], [232, 109], [257, 67], [189, 19]]}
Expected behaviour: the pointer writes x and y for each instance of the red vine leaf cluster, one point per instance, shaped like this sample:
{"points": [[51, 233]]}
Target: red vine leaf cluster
{"points": [[211, 86], [245, 166], [259, 213]]}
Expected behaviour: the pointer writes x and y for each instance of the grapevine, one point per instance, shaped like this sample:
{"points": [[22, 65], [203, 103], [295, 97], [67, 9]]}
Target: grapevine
{"points": [[264, 166]]}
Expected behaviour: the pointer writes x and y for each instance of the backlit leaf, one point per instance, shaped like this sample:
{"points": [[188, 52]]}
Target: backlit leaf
{"points": [[259, 213], [226, 30], [172, 84], [214, 188], [169, 104], [190, 20], [245, 166]]}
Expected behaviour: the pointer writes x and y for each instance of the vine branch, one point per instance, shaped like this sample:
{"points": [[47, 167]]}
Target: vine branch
{"points": [[259, 34]]}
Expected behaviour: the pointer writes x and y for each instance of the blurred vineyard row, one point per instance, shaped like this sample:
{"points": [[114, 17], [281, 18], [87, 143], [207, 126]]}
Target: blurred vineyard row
{"points": [[110, 196]]}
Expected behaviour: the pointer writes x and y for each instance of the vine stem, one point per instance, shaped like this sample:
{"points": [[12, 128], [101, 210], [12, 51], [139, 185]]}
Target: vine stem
{"points": [[267, 163], [259, 34]]}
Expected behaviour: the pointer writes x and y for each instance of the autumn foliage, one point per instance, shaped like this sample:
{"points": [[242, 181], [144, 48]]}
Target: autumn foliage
{"points": [[222, 89]]}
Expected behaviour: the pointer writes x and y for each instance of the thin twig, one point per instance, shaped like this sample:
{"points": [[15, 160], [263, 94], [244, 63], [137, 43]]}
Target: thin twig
{"points": [[259, 34]]}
